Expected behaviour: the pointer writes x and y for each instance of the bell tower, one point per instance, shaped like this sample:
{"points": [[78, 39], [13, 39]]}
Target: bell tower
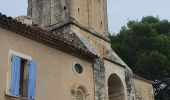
{"points": [[49, 14], [84, 23], [85, 18], [90, 13]]}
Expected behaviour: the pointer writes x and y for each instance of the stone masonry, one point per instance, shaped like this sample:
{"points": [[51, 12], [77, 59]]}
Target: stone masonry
{"points": [[86, 25]]}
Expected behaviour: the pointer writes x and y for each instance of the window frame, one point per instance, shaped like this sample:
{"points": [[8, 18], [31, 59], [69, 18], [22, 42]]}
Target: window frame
{"points": [[75, 72], [9, 72], [83, 93], [83, 89]]}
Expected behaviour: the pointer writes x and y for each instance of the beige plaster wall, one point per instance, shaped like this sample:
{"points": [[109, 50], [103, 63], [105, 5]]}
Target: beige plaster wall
{"points": [[111, 68], [143, 90], [55, 76], [91, 13]]}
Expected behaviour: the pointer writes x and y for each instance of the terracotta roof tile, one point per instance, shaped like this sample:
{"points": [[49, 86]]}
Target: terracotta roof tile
{"points": [[45, 37]]}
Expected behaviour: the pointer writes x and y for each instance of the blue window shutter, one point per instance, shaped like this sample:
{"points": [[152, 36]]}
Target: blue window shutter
{"points": [[31, 79], [15, 76]]}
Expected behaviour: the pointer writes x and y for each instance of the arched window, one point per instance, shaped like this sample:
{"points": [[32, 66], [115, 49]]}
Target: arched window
{"points": [[80, 94]]}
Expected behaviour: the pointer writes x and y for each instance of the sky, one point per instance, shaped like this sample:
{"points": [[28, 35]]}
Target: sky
{"points": [[119, 11]]}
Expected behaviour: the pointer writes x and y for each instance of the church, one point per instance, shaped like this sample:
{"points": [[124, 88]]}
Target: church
{"points": [[61, 51]]}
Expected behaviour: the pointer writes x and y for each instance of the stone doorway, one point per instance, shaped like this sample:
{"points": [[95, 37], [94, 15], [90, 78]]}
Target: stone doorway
{"points": [[115, 88]]}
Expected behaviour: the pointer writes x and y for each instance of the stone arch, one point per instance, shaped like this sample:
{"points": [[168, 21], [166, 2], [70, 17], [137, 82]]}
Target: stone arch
{"points": [[115, 88], [79, 92]]}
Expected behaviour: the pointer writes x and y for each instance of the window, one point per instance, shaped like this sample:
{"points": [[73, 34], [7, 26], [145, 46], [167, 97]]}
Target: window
{"points": [[101, 24], [23, 77], [78, 68], [80, 94], [65, 7], [78, 10]]}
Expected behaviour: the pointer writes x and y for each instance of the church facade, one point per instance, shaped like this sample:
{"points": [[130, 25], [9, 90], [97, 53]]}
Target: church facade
{"points": [[62, 52]]}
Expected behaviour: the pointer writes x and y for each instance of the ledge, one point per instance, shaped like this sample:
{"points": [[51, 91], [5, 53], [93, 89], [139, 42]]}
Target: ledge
{"points": [[87, 29], [114, 62], [92, 32], [15, 97], [143, 79]]}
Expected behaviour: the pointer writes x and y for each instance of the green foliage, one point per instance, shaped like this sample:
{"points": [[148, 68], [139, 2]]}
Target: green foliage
{"points": [[153, 65], [145, 46]]}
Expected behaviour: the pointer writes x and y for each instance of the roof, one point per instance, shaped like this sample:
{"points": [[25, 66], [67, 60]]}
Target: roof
{"points": [[113, 56], [48, 38], [114, 62], [143, 79]]}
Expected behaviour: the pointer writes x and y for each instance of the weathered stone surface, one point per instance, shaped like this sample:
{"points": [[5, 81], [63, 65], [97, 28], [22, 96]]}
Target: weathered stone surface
{"points": [[24, 20], [99, 79], [48, 13], [68, 34], [85, 24]]}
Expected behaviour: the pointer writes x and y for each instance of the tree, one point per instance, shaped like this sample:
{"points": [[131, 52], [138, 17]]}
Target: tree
{"points": [[145, 46]]}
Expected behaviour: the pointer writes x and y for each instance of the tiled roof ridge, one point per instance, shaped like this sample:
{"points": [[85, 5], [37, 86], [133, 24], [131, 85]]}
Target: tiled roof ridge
{"points": [[45, 37]]}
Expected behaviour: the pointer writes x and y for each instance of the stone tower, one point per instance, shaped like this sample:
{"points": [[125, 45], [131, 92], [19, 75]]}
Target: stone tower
{"points": [[85, 23], [85, 18], [52, 14]]}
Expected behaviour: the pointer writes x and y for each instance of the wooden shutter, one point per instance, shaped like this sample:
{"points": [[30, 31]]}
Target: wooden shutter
{"points": [[31, 79], [15, 75]]}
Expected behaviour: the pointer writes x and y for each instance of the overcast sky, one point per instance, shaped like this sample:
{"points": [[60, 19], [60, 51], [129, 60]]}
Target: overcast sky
{"points": [[119, 11]]}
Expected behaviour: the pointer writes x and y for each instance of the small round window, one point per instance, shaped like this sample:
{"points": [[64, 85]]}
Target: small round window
{"points": [[78, 68]]}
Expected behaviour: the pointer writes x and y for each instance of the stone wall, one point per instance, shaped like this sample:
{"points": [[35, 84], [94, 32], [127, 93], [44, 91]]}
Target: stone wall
{"points": [[49, 13], [91, 13], [110, 69], [99, 79], [85, 23], [143, 89]]}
